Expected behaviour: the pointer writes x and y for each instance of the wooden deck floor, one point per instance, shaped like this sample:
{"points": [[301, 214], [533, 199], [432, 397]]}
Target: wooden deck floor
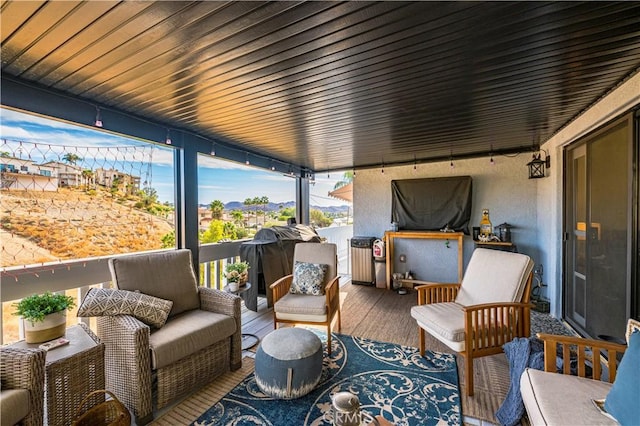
{"points": [[384, 315]]}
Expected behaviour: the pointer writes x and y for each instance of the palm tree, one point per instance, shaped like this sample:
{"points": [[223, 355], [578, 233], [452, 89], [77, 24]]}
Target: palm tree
{"points": [[238, 217], [86, 176], [249, 202], [71, 158], [217, 208], [264, 201], [347, 178]]}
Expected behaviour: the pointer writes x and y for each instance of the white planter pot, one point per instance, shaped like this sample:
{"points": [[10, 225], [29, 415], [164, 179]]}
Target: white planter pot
{"points": [[53, 326], [233, 286]]}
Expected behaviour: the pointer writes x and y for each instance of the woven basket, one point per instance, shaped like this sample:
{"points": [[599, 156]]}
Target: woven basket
{"points": [[110, 412]]}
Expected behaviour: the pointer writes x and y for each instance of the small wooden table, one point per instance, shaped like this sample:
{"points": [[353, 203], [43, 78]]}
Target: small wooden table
{"points": [[72, 371], [390, 236]]}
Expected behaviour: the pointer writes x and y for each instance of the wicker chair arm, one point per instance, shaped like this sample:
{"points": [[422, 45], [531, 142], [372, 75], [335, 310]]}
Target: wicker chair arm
{"points": [[127, 361], [580, 345], [21, 368], [281, 287], [25, 369], [436, 292], [219, 301]]}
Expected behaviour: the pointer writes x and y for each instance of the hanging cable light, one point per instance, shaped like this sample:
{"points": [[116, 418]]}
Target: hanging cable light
{"points": [[98, 122], [168, 138], [213, 149], [246, 161]]}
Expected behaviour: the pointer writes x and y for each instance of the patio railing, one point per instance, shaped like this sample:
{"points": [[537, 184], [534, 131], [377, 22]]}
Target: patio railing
{"points": [[75, 277]]}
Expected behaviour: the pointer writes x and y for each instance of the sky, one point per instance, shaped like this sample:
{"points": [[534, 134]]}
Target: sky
{"points": [[40, 139]]}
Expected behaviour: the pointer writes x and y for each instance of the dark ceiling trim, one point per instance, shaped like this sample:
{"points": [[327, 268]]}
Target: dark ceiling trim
{"points": [[526, 150], [50, 103]]}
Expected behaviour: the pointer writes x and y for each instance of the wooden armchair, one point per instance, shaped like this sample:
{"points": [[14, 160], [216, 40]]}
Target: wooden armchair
{"points": [[572, 396], [310, 309], [488, 309]]}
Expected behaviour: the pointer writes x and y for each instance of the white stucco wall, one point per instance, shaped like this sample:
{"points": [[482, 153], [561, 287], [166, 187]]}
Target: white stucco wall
{"points": [[503, 188], [534, 207]]}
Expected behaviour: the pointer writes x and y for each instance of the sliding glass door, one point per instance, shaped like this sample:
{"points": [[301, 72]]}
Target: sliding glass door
{"points": [[598, 230]]}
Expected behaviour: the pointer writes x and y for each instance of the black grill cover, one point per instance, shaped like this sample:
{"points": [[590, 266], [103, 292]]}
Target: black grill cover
{"points": [[270, 257]]}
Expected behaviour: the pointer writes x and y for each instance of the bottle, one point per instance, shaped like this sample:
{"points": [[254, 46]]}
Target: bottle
{"points": [[485, 224]]}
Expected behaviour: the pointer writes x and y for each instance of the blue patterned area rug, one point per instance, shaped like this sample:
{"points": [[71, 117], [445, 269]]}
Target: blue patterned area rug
{"points": [[390, 380]]}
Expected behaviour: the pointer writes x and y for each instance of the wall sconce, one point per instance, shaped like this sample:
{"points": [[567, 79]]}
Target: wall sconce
{"points": [[537, 165]]}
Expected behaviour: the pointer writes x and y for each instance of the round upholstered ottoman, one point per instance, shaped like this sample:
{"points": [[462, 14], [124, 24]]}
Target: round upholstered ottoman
{"points": [[288, 363]]}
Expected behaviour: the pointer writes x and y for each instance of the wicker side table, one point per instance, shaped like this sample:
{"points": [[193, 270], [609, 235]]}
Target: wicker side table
{"points": [[72, 371]]}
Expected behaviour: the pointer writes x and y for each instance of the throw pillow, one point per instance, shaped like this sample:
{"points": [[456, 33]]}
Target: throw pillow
{"points": [[107, 302], [308, 278], [622, 399], [632, 326]]}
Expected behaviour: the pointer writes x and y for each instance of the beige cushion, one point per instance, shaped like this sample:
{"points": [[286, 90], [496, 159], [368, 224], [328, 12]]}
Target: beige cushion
{"points": [[188, 333], [167, 275], [444, 319], [323, 253], [301, 307], [494, 276], [14, 406], [558, 399], [107, 301]]}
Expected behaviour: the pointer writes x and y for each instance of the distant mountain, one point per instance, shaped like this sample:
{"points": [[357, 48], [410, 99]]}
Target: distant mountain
{"points": [[238, 205]]}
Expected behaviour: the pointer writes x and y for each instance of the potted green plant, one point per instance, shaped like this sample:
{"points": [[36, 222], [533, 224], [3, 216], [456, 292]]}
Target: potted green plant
{"points": [[236, 274], [44, 315]]}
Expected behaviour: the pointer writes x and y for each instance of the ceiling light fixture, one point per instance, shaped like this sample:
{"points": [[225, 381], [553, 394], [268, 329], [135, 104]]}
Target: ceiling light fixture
{"points": [[98, 122], [168, 138], [273, 166], [213, 149], [246, 161]]}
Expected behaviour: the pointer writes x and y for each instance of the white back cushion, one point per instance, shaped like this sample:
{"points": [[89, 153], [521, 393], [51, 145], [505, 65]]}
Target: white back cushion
{"points": [[494, 276]]}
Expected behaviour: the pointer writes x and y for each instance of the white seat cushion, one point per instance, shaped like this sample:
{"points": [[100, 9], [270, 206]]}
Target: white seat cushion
{"points": [[558, 399], [301, 307], [445, 319]]}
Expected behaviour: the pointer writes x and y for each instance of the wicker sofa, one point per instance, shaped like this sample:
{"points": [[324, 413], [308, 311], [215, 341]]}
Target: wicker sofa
{"points": [[148, 367], [22, 377]]}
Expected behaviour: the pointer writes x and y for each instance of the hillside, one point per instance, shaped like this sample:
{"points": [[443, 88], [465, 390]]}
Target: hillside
{"points": [[44, 226]]}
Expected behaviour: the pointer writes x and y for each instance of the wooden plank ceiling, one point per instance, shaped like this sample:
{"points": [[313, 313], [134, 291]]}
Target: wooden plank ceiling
{"points": [[333, 85]]}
